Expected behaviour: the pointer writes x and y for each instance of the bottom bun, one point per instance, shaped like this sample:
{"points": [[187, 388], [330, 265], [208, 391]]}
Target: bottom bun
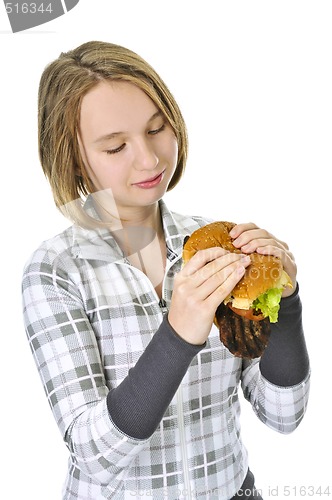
{"points": [[243, 337]]}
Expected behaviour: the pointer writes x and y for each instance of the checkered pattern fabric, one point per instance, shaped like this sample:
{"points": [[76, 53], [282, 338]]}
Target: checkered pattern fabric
{"points": [[89, 315]]}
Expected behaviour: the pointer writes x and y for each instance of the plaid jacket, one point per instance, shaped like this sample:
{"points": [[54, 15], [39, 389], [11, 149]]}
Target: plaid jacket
{"points": [[89, 316]]}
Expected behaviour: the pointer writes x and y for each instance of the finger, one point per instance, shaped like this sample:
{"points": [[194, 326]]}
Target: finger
{"points": [[245, 234], [276, 250], [253, 245], [237, 230], [286, 257], [216, 267], [212, 279], [249, 235], [222, 291], [201, 258]]}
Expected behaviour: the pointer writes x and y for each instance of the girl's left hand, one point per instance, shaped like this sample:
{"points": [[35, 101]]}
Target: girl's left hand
{"points": [[249, 238]]}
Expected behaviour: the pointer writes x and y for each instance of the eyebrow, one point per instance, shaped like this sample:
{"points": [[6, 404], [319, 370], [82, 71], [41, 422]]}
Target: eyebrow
{"points": [[107, 137]]}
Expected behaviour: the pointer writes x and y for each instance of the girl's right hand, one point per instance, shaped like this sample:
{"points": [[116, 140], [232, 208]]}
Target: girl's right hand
{"points": [[203, 283]]}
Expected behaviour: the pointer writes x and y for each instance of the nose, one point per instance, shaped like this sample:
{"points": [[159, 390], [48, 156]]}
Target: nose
{"points": [[145, 157]]}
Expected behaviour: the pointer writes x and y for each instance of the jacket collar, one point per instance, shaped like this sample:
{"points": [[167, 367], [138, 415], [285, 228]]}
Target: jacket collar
{"points": [[100, 244]]}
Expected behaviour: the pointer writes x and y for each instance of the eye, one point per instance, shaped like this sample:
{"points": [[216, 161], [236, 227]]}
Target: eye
{"points": [[115, 150], [156, 131]]}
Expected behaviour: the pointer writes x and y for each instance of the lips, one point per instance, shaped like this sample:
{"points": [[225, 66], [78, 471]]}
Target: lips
{"points": [[152, 182]]}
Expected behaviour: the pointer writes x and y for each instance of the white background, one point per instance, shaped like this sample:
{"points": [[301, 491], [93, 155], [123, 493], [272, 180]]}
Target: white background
{"points": [[254, 80]]}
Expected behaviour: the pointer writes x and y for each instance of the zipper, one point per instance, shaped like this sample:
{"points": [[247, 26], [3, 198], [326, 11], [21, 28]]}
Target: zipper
{"points": [[186, 480], [163, 306]]}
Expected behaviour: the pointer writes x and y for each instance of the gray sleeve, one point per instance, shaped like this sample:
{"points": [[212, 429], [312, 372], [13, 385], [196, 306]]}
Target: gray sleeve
{"points": [[285, 361], [138, 404]]}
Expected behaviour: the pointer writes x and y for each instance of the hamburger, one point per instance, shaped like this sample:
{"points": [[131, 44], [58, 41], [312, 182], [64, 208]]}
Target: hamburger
{"points": [[245, 315]]}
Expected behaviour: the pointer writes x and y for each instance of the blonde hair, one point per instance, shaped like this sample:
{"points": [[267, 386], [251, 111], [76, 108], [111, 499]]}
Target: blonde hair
{"points": [[62, 87]]}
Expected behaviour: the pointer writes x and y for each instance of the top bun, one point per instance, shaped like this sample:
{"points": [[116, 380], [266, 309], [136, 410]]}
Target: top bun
{"points": [[215, 234], [264, 272]]}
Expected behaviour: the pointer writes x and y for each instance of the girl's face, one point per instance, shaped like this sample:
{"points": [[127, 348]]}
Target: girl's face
{"points": [[127, 144]]}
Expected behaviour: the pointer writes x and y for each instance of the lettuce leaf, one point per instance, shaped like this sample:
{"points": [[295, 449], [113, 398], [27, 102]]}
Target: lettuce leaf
{"points": [[269, 303]]}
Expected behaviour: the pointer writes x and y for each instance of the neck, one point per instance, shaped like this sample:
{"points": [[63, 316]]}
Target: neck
{"points": [[143, 217], [136, 227], [120, 217], [142, 240], [140, 235]]}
